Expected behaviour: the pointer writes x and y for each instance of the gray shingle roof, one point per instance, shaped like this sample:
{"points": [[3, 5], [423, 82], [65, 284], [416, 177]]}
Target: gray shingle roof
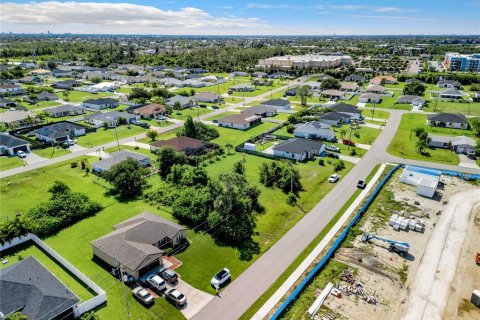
{"points": [[101, 101], [259, 110], [11, 141], [133, 239], [333, 116], [63, 108], [409, 99], [456, 141], [448, 117], [344, 107], [58, 130], [276, 102], [27, 286], [117, 157], [298, 146]]}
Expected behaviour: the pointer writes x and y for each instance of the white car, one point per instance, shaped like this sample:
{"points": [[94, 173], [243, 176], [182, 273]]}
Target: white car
{"points": [[156, 283], [333, 178], [220, 278], [332, 148], [142, 295], [21, 154], [176, 297]]}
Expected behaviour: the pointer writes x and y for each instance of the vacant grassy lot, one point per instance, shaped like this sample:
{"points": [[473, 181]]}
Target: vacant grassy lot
{"points": [[379, 114], [219, 116], [191, 112], [80, 96], [235, 137], [51, 152], [102, 135], [40, 105], [454, 107], [403, 144], [367, 135], [10, 162]]}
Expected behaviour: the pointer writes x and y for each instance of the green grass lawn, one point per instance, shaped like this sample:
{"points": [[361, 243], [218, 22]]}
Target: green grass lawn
{"points": [[102, 136], [403, 143], [51, 152], [40, 105], [10, 162], [80, 96], [367, 134], [236, 137], [222, 115], [258, 91], [281, 116], [379, 114], [190, 112], [29, 249], [162, 136], [389, 103], [134, 149], [454, 107]]}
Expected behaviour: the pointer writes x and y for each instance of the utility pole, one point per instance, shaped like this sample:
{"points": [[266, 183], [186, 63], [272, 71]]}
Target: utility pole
{"points": [[123, 283], [373, 111]]}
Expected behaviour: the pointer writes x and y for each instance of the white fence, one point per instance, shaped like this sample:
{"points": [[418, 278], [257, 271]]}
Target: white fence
{"points": [[78, 309]]}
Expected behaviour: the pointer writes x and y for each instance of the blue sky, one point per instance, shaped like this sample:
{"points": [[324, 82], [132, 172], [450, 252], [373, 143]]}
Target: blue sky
{"points": [[234, 17]]}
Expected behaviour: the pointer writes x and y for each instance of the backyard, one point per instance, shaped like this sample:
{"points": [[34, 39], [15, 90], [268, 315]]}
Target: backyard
{"points": [[7, 162]]}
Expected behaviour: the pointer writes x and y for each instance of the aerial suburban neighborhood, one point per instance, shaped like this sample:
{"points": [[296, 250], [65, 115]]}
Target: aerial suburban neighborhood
{"points": [[227, 160]]}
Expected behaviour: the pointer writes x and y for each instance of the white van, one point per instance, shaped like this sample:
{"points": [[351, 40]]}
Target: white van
{"points": [[156, 283]]}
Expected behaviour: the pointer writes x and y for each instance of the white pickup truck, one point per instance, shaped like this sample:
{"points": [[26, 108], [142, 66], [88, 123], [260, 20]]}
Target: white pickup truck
{"points": [[332, 148]]}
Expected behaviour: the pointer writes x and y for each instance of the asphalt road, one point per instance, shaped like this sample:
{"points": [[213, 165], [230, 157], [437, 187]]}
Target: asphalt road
{"points": [[253, 282]]}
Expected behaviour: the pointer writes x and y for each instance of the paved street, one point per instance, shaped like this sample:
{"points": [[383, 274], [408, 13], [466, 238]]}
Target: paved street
{"points": [[254, 281]]}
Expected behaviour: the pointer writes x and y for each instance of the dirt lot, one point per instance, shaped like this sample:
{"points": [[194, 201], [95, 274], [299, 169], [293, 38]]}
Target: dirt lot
{"points": [[391, 278]]}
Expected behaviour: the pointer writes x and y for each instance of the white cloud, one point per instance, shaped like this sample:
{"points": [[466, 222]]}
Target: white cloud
{"points": [[270, 6], [90, 17]]}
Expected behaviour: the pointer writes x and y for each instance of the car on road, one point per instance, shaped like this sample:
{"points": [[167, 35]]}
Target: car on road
{"points": [[332, 155], [332, 148], [21, 154], [142, 295], [168, 275], [361, 184], [333, 178], [220, 278], [176, 298], [156, 283]]}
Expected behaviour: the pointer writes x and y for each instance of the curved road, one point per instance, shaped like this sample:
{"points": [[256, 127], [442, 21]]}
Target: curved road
{"points": [[253, 282]]}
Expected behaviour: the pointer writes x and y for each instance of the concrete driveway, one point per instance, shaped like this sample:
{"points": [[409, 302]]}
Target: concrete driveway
{"points": [[196, 299], [467, 162], [33, 158]]}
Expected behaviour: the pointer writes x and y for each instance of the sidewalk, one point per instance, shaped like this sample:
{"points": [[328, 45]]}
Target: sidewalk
{"points": [[290, 282]]}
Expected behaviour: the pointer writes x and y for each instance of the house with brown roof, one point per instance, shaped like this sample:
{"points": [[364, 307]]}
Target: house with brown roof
{"points": [[207, 97], [137, 243], [187, 145], [380, 80], [239, 121], [349, 86], [333, 93], [151, 111], [375, 88]]}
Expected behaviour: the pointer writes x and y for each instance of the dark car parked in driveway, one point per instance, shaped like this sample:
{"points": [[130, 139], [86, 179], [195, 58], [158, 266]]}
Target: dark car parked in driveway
{"points": [[168, 275]]}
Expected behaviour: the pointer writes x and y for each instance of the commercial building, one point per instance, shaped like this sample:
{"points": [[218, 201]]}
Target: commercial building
{"points": [[455, 61], [308, 61]]}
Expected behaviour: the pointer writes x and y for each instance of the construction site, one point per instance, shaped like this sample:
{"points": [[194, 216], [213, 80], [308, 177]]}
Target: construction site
{"points": [[409, 257]]}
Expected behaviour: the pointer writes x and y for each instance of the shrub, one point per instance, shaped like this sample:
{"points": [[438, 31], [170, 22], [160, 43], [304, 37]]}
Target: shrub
{"points": [[339, 166], [74, 164]]}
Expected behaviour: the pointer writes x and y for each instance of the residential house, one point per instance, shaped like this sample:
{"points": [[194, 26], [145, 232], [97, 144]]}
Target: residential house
{"points": [[117, 157], [261, 111], [347, 109], [459, 144], [171, 82], [208, 97], [451, 84], [42, 72], [47, 96], [239, 121], [453, 94], [349, 86], [111, 118], [103, 87], [34, 291], [193, 83], [279, 104], [27, 64], [18, 118], [355, 78], [242, 88], [375, 88], [415, 101], [7, 89], [64, 111], [381, 80], [197, 70], [30, 80], [187, 145], [325, 77], [291, 92], [260, 74], [66, 84], [334, 118], [314, 130], [59, 132], [333, 93], [415, 80], [136, 244], [278, 75], [299, 149], [101, 103], [370, 98], [448, 120], [58, 73], [213, 79], [313, 85], [11, 145], [151, 111], [238, 74], [185, 102], [7, 103]]}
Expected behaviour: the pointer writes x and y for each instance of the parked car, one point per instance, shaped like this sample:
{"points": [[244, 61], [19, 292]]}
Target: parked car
{"points": [[361, 184], [215, 121], [215, 107], [332, 148], [161, 118], [333, 178], [144, 125], [332, 155], [220, 278], [202, 105], [156, 283], [136, 122], [21, 154], [176, 297], [70, 142], [349, 142], [168, 275], [142, 295]]}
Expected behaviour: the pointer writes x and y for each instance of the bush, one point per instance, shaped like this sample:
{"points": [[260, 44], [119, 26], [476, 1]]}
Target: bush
{"points": [[339, 166], [321, 162], [291, 199], [74, 164], [353, 152]]}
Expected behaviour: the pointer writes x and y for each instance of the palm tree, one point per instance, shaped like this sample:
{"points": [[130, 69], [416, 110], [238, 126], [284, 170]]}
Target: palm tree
{"points": [[303, 92], [343, 132], [177, 106]]}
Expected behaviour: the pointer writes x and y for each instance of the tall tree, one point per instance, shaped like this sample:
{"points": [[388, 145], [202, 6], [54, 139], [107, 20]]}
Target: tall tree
{"points": [[303, 92], [190, 129], [128, 177]]}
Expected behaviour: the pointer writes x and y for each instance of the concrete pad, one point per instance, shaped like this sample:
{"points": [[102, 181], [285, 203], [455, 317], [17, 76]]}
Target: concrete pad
{"points": [[101, 154], [196, 299], [467, 162], [348, 158], [33, 158], [362, 146], [76, 148], [371, 125], [138, 144]]}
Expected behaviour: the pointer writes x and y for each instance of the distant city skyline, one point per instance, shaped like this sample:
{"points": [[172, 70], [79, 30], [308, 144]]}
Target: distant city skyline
{"points": [[214, 17]]}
